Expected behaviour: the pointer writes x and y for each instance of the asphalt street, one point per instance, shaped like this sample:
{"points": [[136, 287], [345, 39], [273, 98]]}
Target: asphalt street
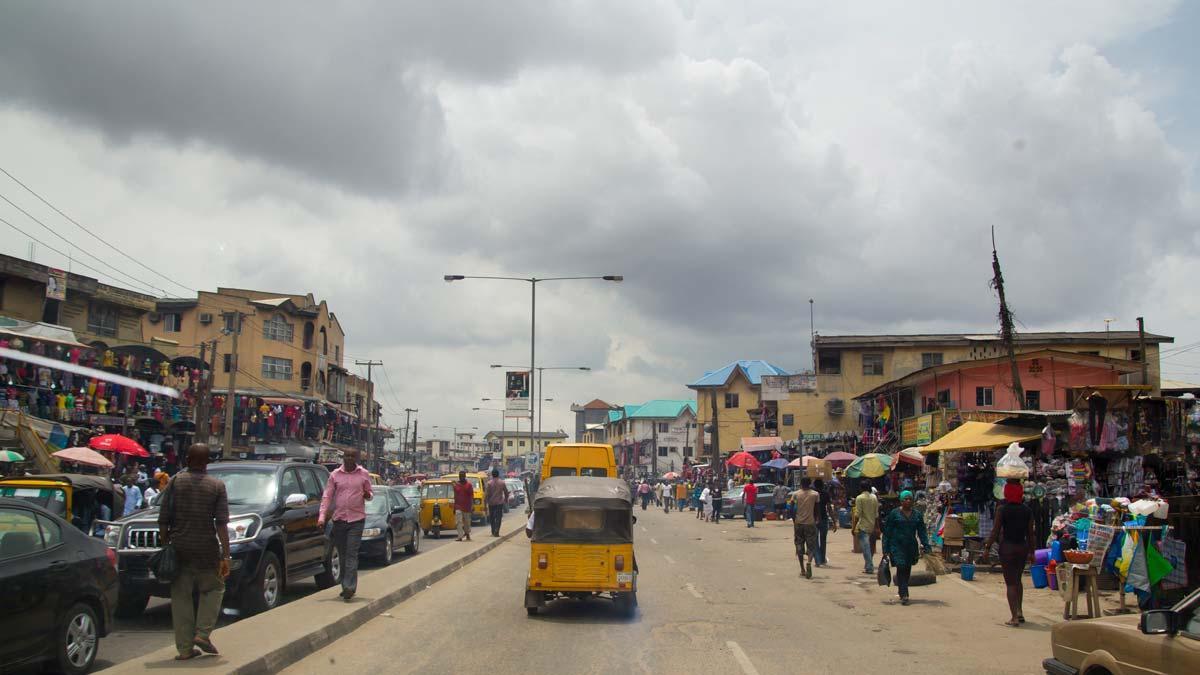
{"points": [[713, 598], [151, 631]]}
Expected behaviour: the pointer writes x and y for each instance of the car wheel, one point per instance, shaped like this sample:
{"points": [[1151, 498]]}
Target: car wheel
{"points": [[267, 588], [415, 546], [78, 638], [333, 570], [131, 605], [388, 552]]}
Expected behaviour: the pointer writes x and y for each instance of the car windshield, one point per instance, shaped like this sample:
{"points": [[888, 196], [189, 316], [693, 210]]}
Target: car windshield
{"points": [[436, 491], [53, 500], [247, 487], [411, 492]]}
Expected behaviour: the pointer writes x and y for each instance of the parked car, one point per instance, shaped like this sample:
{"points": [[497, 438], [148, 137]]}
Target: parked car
{"points": [[516, 492], [391, 521], [1158, 641], [58, 587], [274, 539], [734, 503]]}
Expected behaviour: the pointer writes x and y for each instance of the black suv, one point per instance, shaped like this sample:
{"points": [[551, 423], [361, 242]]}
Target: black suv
{"points": [[273, 538]]}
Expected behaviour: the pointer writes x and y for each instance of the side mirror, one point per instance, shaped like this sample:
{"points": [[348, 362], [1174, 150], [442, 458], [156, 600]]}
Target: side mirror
{"points": [[1158, 622], [295, 501], [635, 520]]}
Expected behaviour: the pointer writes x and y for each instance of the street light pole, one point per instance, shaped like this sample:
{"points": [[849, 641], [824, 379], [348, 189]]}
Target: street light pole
{"points": [[533, 282]]}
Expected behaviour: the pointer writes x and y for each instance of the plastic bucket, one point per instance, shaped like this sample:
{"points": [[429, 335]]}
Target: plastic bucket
{"points": [[1038, 572], [967, 571], [1041, 556], [1053, 581]]}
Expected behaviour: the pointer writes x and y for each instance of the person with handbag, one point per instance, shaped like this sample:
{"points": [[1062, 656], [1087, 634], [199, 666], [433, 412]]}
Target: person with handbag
{"points": [[192, 528]]}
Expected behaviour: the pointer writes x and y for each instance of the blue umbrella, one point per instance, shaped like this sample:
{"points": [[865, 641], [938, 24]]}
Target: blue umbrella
{"points": [[780, 463]]}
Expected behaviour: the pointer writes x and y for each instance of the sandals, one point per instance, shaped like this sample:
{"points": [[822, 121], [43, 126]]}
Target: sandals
{"points": [[206, 646], [187, 657], [1013, 624]]}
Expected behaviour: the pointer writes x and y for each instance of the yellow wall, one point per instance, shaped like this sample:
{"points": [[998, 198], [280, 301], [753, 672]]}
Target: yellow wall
{"points": [[252, 346], [735, 423]]}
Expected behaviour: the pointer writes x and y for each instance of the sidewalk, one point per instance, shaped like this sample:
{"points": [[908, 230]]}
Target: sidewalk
{"points": [[273, 640]]}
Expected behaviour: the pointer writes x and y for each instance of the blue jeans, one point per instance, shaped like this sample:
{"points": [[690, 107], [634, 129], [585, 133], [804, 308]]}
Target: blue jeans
{"points": [[822, 539], [749, 516], [865, 540]]}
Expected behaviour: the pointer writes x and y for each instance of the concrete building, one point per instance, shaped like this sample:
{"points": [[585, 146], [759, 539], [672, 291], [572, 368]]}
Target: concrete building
{"points": [[99, 314], [658, 435], [591, 416], [289, 343], [850, 365], [514, 443]]}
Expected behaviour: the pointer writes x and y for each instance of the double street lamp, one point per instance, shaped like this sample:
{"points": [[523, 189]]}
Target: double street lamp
{"points": [[533, 282]]}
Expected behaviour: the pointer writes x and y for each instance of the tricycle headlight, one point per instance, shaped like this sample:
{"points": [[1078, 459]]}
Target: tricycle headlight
{"points": [[372, 532], [243, 528], [112, 536]]}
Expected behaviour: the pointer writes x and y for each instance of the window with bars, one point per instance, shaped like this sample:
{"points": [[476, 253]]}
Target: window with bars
{"points": [[276, 328], [983, 396], [931, 359], [276, 369], [664, 428], [788, 420], [102, 319], [731, 400], [872, 364]]}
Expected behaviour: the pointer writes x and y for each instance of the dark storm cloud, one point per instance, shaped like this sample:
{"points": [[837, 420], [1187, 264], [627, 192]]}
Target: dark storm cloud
{"points": [[338, 93]]}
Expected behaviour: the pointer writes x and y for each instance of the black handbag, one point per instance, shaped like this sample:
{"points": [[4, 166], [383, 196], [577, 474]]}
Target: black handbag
{"points": [[165, 563], [884, 574]]}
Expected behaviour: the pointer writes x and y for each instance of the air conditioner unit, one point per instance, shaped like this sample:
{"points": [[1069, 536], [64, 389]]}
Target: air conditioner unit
{"points": [[835, 407], [206, 318], [154, 317]]}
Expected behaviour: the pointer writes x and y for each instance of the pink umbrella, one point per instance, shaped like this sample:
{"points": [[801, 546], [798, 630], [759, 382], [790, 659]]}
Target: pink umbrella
{"points": [[840, 459], [801, 462], [84, 456], [122, 445]]}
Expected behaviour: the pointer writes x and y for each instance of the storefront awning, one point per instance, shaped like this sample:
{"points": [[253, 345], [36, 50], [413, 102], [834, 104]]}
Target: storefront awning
{"points": [[275, 400], [980, 436]]}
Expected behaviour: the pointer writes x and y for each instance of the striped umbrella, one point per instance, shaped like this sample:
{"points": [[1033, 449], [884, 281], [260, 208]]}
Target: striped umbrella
{"points": [[11, 456], [870, 465]]}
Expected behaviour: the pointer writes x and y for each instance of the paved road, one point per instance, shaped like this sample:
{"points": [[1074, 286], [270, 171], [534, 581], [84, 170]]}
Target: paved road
{"points": [[152, 630], [713, 598]]}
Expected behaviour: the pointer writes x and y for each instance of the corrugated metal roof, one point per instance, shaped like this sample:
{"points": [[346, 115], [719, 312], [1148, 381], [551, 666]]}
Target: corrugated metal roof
{"points": [[1058, 337], [663, 409], [753, 369]]}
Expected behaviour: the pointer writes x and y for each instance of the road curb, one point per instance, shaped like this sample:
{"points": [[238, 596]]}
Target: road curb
{"points": [[282, 657]]}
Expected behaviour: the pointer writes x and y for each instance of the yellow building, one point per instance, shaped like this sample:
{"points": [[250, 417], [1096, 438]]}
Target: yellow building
{"points": [[289, 344], [850, 365]]}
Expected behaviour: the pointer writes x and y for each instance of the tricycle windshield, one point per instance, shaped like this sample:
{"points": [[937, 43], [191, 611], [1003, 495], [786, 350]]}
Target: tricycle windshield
{"points": [[436, 491], [566, 524]]}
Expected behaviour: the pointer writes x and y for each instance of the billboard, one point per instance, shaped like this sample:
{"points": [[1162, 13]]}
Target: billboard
{"points": [[778, 387], [56, 284], [516, 394]]}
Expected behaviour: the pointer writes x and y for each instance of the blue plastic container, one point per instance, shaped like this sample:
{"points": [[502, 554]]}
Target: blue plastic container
{"points": [[1056, 551], [1040, 580], [967, 571]]}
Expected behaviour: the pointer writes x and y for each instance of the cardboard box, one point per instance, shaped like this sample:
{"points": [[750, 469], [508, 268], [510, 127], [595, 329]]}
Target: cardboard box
{"points": [[819, 468], [953, 528]]}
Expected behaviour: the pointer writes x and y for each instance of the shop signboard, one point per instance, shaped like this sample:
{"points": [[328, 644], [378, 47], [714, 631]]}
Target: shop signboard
{"points": [[779, 387], [56, 284], [106, 421], [516, 394], [924, 430]]}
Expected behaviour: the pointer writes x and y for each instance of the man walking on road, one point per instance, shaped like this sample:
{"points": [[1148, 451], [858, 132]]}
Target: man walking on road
{"points": [[751, 496], [348, 489], [464, 494], [194, 521], [826, 519], [866, 525], [804, 525], [496, 494], [779, 499]]}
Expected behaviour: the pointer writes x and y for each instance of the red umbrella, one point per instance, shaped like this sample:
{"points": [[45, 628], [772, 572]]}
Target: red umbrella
{"points": [[122, 445], [743, 460]]}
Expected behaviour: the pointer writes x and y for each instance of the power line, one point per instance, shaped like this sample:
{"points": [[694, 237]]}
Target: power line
{"points": [[51, 230], [89, 232]]}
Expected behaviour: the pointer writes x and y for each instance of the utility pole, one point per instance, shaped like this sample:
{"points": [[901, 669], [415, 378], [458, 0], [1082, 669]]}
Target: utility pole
{"points": [[414, 444], [231, 395], [203, 411], [404, 438], [1006, 326], [654, 450], [370, 405], [1142, 351], [716, 431]]}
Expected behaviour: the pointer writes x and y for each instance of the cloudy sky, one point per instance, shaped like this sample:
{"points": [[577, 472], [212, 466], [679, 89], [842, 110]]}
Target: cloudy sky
{"points": [[732, 160]]}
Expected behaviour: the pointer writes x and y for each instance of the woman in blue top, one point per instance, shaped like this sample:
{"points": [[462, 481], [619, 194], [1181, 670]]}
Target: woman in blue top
{"points": [[903, 527]]}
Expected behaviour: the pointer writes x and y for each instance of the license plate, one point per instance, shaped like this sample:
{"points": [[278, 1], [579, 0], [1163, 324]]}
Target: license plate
{"points": [[625, 577]]}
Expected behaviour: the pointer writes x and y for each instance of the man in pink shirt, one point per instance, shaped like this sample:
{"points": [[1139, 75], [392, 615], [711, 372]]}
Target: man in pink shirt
{"points": [[348, 489]]}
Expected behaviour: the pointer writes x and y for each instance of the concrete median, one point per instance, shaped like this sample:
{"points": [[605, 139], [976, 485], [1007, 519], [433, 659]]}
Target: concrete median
{"points": [[271, 641]]}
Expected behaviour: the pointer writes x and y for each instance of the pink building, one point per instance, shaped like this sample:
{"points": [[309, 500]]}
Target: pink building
{"points": [[1049, 377]]}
